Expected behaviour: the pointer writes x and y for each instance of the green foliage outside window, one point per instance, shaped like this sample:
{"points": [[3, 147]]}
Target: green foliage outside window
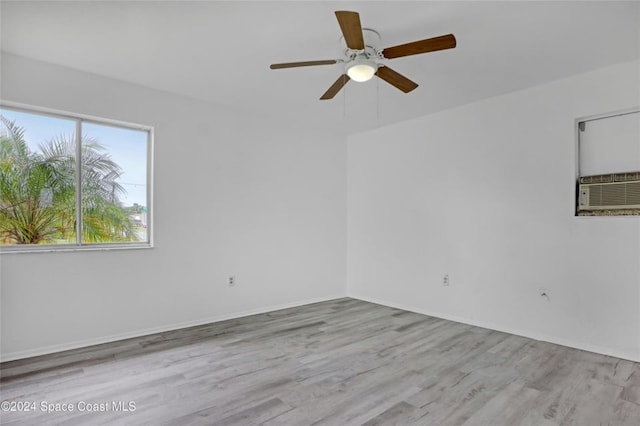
{"points": [[38, 192]]}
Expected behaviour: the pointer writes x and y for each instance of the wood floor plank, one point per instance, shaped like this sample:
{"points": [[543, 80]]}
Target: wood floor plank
{"points": [[341, 362]]}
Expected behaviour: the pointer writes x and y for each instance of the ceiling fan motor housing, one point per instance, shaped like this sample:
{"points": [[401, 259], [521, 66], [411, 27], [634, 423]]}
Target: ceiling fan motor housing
{"points": [[371, 49], [361, 65]]}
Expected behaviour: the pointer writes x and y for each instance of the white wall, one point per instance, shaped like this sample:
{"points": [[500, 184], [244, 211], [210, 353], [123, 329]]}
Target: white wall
{"points": [[234, 194], [485, 193]]}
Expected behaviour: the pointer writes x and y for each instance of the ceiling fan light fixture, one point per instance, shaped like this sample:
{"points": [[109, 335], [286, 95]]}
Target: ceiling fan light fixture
{"points": [[362, 58], [361, 70]]}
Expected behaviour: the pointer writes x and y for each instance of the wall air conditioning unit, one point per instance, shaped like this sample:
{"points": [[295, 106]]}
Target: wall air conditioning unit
{"points": [[610, 192]]}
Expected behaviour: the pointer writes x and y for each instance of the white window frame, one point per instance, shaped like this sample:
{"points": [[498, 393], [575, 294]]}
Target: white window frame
{"points": [[577, 123], [79, 245]]}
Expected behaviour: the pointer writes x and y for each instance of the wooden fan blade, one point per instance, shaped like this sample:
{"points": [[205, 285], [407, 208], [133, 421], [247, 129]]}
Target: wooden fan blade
{"points": [[422, 46], [397, 80], [302, 64], [335, 87], [351, 29]]}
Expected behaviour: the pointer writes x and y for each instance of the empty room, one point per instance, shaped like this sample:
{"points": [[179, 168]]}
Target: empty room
{"points": [[320, 213]]}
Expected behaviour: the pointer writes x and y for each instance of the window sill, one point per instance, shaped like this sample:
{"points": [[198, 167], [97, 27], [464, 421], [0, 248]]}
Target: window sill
{"points": [[72, 248]]}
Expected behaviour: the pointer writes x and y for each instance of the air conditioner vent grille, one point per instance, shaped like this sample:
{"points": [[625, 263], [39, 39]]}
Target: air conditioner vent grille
{"points": [[626, 177], [609, 192], [633, 193], [597, 179], [595, 195], [613, 195], [611, 177]]}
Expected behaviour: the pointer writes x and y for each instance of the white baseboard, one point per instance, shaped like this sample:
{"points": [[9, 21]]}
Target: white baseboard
{"points": [[44, 350], [531, 335]]}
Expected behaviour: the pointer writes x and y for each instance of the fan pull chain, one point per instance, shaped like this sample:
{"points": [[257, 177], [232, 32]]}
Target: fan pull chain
{"points": [[344, 102], [378, 102]]}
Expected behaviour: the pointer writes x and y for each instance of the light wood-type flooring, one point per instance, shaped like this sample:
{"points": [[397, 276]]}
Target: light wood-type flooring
{"points": [[341, 362]]}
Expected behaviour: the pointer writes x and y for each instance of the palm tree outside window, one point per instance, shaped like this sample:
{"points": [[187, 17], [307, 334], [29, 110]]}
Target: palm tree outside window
{"points": [[61, 190]]}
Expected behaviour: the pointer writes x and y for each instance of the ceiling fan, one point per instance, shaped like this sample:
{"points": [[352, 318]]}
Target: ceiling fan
{"points": [[363, 59]]}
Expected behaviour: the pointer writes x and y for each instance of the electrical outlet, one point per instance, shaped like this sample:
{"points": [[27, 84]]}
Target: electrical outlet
{"points": [[231, 280], [445, 280]]}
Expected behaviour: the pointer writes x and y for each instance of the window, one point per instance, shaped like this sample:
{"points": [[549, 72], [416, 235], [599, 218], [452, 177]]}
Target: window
{"points": [[608, 181], [72, 182]]}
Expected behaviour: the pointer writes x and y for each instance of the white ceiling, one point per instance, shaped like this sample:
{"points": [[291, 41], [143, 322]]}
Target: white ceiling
{"points": [[220, 52]]}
